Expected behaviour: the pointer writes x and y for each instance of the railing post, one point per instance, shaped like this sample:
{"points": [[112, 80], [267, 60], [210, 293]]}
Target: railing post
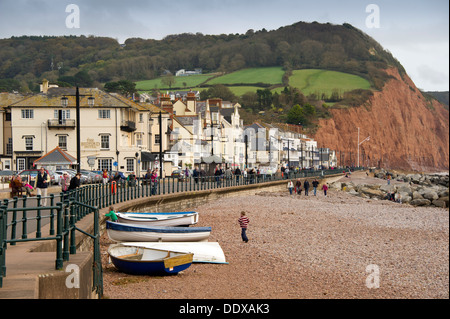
{"points": [[72, 221], [24, 217], [59, 236], [66, 233]]}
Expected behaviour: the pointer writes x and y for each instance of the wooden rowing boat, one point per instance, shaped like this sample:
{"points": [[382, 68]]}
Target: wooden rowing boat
{"points": [[159, 219], [136, 233], [204, 252], [148, 261]]}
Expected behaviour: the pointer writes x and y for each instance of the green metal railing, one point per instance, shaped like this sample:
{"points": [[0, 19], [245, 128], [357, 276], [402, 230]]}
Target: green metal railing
{"points": [[66, 210]]}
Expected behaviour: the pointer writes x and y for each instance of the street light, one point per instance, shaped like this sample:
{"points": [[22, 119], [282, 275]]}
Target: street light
{"points": [[359, 144]]}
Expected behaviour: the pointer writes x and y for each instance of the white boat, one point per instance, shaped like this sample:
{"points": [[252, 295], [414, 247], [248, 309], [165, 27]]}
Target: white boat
{"points": [[120, 232], [159, 219], [204, 252], [148, 261]]}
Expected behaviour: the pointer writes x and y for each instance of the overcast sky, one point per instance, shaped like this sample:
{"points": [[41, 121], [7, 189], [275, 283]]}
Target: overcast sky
{"points": [[416, 32]]}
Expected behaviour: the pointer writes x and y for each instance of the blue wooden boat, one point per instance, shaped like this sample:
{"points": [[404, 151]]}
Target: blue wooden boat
{"points": [[142, 261], [120, 232]]}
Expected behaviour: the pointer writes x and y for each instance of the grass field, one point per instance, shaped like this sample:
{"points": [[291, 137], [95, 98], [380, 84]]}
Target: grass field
{"points": [[323, 81], [308, 81], [271, 75], [191, 81]]}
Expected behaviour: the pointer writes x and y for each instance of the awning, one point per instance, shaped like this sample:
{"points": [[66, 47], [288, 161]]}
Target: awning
{"points": [[148, 157]]}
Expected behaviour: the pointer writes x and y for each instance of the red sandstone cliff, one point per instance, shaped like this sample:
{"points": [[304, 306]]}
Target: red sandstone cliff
{"points": [[407, 131]]}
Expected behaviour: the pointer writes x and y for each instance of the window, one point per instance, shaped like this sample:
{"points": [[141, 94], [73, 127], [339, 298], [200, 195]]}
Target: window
{"points": [[130, 164], [141, 117], [28, 143], [157, 139], [105, 164], [7, 164], [9, 147], [62, 142], [20, 164], [104, 142], [104, 114], [62, 114], [27, 114]]}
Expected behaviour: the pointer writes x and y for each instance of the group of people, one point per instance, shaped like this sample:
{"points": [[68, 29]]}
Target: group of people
{"points": [[42, 183], [297, 187]]}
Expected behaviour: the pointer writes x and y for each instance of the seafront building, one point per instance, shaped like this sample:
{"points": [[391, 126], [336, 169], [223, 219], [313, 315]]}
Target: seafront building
{"points": [[123, 134]]}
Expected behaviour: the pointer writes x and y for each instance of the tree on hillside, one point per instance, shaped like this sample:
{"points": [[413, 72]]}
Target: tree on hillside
{"points": [[168, 80], [218, 92], [124, 87]]}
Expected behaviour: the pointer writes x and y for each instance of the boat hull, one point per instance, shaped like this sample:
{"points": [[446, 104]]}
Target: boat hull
{"points": [[159, 219], [148, 262], [136, 233], [204, 252]]}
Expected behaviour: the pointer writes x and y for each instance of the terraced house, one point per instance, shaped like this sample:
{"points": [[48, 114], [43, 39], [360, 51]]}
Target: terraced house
{"points": [[115, 132]]}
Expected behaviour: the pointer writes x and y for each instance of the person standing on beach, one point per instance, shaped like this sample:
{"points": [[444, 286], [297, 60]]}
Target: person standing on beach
{"points": [[315, 184], [290, 186], [298, 186], [306, 186], [325, 189], [243, 222]]}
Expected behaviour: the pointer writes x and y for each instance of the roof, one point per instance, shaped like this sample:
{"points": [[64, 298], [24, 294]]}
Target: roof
{"points": [[54, 95], [56, 157]]}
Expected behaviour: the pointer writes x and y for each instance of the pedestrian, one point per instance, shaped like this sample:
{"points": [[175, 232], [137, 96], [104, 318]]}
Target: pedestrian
{"points": [[315, 184], [325, 189], [42, 182], [196, 174], [65, 183], [75, 182], [154, 179], [112, 214], [298, 186], [306, 186], [244, 221], [389, 179], [131, 179], [18, 186], [105, 176], [237, 173], [290, 186]]}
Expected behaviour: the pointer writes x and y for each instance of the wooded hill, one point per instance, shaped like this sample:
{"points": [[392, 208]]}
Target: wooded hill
{"points": [[91, 61]]}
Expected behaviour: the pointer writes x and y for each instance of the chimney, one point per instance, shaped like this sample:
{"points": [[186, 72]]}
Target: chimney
{"points": [[44, 86]]}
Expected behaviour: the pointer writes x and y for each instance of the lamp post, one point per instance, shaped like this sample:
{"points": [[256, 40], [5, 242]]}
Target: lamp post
{"points": [[65, 103], [359, 144]]}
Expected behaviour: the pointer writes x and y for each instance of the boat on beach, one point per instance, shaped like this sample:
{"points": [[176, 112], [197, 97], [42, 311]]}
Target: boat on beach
{"points": [[204, 252], [120, 232], [159, 219], [148, 261]]}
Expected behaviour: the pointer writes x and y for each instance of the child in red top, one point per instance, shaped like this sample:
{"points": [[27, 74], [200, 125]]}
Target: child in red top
{"points": [[243, 221], [325, 188]]}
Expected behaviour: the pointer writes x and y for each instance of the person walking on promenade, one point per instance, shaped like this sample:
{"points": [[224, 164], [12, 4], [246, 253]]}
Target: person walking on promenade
{"points": [[315, 184], [65, 183], [154, 179], [306, 186], [75, 182], [105, 176], [325, 189], [238, 174], [42, 182], [290, 186], [196, 174], [243, 222]]}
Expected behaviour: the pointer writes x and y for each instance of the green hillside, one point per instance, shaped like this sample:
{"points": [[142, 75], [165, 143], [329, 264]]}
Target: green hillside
{"points": [[185, 82], [269, 76], [313, 81]]}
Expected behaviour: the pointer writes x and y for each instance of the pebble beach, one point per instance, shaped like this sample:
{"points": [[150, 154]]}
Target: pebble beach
{"points": [[308, 247]]}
